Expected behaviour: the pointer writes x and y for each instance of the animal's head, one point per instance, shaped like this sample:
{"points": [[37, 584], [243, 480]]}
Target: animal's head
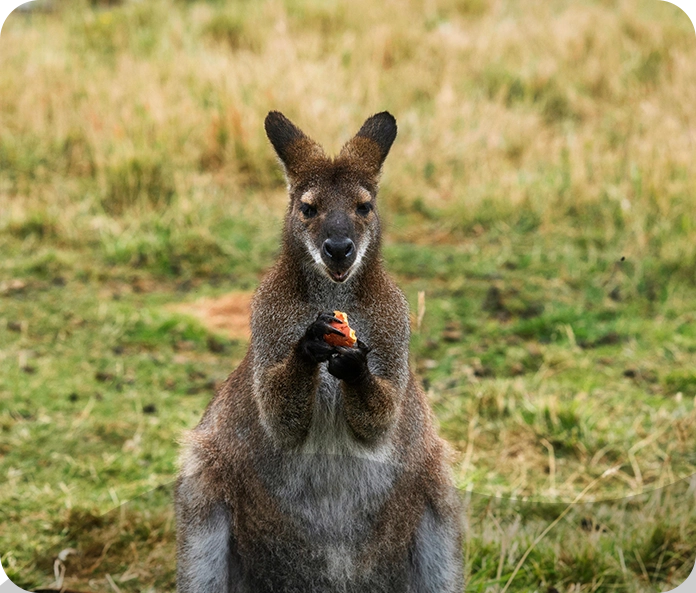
{"points": [[332, 215]]}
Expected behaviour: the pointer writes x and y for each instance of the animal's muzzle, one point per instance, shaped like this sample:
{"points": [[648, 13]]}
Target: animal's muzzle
{"points": [[338, 251]]}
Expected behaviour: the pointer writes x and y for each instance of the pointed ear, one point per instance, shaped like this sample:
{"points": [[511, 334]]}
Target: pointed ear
{"points": [[370, 146], [296, 151]]}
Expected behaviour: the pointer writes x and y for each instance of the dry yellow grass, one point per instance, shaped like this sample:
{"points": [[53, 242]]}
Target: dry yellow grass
{"points": [[490, 101], [227, 315]]}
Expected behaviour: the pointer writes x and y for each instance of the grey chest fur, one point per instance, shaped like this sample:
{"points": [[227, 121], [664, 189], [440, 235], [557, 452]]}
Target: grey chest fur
{"points": [[332, 485]]}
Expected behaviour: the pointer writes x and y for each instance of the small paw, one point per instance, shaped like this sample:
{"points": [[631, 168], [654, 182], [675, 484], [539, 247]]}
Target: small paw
{"points": [[322, 326], [316, 351], [349, 364], [312, 346]]}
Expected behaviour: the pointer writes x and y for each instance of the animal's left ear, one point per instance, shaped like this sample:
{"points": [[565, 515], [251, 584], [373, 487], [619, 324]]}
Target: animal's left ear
{"points": [[370, 146]]}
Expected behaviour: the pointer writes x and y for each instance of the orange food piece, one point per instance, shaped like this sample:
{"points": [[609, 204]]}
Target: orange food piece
{"points": [[348, 338]]}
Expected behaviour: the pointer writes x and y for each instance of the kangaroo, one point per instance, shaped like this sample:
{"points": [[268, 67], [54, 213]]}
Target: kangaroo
{"points": [[317, 468]]}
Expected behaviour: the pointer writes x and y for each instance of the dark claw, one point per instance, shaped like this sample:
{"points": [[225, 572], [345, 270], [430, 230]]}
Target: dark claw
{"points": [[319, 330], [322, 326], [332, 330], [325, 317]]}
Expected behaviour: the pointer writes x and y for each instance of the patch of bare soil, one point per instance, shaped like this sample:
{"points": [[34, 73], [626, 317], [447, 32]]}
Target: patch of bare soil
{"points": [[226, 315]]}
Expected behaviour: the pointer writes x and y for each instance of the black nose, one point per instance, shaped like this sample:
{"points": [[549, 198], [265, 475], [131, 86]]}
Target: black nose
{"points": [[338, 249]]}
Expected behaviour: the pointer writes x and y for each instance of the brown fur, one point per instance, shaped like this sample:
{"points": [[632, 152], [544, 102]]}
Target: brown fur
{"points": [[262, 471]]}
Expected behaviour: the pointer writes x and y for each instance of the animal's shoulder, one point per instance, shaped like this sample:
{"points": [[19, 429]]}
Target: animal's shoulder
{"points": [[385, 303]]}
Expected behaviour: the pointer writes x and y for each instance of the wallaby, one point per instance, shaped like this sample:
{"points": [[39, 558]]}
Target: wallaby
{"points": [[317, 468]]}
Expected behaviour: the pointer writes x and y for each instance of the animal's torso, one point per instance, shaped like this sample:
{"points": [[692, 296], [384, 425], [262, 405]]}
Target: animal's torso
{"points": [[332, 487]]}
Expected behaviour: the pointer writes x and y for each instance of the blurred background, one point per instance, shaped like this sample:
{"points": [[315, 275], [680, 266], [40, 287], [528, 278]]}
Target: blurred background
{"points": [[540, 198]]}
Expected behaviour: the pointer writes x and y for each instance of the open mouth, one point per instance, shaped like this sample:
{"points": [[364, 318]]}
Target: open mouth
{"points": [[339, 276]]}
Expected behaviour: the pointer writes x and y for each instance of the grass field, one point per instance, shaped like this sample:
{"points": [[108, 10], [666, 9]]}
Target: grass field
{"points": [[541, 194]]}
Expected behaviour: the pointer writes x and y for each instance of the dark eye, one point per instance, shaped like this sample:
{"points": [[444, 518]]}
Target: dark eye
{"points": [[307, 210], [364, 209]]}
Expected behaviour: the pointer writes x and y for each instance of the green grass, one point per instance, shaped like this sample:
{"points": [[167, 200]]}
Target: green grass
{"points": [[540, 195]]}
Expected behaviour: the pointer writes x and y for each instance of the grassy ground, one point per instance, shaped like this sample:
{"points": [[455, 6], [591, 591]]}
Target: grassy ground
{"points": [[540, 194]]}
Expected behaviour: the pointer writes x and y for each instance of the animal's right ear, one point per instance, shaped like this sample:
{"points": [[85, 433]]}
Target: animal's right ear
{"points": [[296, 151]]}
